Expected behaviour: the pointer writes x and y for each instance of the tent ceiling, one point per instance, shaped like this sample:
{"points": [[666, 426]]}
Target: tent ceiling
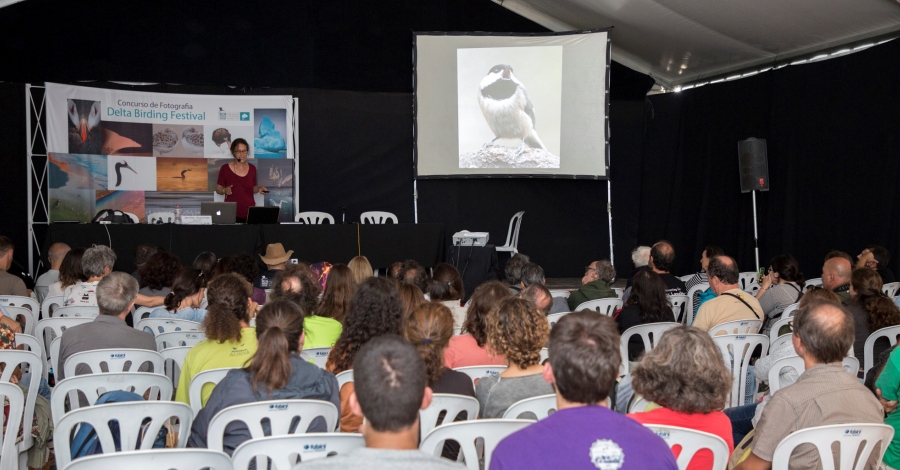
{"points": [[684, 41]]}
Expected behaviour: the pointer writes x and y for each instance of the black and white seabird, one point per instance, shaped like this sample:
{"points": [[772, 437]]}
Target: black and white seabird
{"points": [[119, 166], [507, 109]]}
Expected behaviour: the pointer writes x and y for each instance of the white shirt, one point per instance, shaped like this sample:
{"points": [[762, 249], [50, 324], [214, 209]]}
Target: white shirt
{"points": [[55, 289], [81, 294]]}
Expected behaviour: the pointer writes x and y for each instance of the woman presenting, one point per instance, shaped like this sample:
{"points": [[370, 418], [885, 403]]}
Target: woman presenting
{"points": [[237, 180]]}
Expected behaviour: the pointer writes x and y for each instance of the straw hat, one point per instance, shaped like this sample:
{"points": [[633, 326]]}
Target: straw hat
{"points": [[275, 254]]}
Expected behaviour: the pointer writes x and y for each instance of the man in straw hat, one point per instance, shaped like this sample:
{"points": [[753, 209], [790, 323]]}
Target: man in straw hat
{"points": [[275, 259]]}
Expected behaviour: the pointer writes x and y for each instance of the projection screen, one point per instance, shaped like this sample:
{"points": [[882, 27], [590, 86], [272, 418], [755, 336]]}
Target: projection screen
{"points": [[511, 105]]}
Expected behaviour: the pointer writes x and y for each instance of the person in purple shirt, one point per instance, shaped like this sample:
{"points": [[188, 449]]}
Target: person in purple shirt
{"points": [[583, 433]]}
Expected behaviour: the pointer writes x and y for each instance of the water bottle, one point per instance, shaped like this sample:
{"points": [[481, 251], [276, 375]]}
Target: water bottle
{"points": [[178, 214]]}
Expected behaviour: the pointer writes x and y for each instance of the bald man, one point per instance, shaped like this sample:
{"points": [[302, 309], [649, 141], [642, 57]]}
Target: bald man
{"points": [[55, 256], [836, 276], [731, 303], [662, 260]]}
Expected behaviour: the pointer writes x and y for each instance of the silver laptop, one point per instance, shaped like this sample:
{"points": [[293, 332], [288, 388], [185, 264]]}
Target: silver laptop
{"points": [[221, 212]]}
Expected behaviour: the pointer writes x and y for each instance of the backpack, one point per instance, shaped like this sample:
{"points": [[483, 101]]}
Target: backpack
{"points": [[113, 216], [86, 441]]}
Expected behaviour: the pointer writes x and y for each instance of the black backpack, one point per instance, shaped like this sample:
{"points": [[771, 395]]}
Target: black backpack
{"points": [[113, 216]]}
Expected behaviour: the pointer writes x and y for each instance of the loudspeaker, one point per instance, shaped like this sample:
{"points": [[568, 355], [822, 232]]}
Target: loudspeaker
{"points": [[753, 164]]}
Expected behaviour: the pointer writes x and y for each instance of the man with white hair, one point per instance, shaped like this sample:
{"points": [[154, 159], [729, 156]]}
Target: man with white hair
{"points": [[641, 259], [97, 262]]}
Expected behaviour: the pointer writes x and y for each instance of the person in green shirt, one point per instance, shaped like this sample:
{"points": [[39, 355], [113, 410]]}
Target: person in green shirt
{"points": [[594, 284], [888, 390], [325, 325]]}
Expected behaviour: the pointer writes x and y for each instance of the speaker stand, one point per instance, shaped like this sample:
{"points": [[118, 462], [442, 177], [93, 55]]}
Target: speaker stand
{"points": [[755, 235]]}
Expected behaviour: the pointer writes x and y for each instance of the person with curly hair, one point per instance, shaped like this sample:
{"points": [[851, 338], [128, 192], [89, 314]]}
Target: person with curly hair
{"points": [[246, 266], [230, 340], [295, 283], [447, 287], [470, 347], [413, 272], [686, 376], [518, 330], [646, 304], [158, 273], [183, 302], [872, 310], [429, 329], [375, 310]]}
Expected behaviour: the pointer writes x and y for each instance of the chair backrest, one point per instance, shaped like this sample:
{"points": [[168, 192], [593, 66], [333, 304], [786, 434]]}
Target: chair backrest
{"points": [[318, 356], [175, 459], [94, 385], [34, 346], [691, 311], [512, 235], [212, 376], [890, 289], [545, 354], [748, 282], [344, 377], [737, 327], [173, 361], [780, 324], [850, 364], [477, 372], [638, 403], [849, 438], [76, 311], [680, 306], [451, 406], [21, 301], [142, 313], [736, 351], [377, 217], [16, 403], [890, 333], [691, 441], [280, 415], [541, 406], [811, 282], [166, 325], [490, 431], [10, 359], [314, 218], [650, 334], [620, 293], [115, 360], [130, 416], [602, 306], [686, 277], [174, 339], [564, 293], [285, 450], [554, 317], [29, 317], [775, 345], [56, 326], [49, 304]]}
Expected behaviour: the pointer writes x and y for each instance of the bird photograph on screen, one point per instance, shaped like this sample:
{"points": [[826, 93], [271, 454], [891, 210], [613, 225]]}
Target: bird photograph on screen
{"points": [[85, 136], [509, 106]]}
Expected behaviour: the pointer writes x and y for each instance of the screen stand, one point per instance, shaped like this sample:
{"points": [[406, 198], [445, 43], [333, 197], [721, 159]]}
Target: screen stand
{"points": [[609, 215]]}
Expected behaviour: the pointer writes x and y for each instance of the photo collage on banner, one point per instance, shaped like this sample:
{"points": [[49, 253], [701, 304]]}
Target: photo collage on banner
{"points": [[146, 153]]}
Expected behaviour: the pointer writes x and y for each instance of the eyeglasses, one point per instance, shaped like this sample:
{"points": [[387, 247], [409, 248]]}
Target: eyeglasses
{"points": [[588, 268], [241, 152]]}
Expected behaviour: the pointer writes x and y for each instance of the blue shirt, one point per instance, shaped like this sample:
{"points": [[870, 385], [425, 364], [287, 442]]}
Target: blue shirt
{"points": [[187, 313]]}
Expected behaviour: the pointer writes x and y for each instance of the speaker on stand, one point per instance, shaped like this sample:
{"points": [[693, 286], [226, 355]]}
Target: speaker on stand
{"points": [[753, 165]]}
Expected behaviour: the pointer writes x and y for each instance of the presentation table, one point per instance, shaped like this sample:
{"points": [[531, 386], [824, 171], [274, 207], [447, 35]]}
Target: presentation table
{"points": [[381, 244], [476, 264]]}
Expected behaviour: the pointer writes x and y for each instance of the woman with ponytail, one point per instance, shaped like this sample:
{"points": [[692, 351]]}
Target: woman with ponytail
{"points": [[183, 302], [447, 288], [275, 372], [871, 310], [429, 328], [230, 341]]}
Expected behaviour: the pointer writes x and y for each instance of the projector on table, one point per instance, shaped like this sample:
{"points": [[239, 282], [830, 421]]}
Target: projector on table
{"points": [[467, 238]]}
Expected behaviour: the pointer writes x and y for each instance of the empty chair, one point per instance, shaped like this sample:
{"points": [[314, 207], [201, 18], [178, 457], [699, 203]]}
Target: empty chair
{"points": [[173, 459], [692, 441], [477, 372], [849, 437], [491, 431], [314, 218], [851, 365], [166, 325], [748, 282], [737, 327], [32, 344], [541, 407], [554, 317], [512, 235], [12, 395], [692, 294], [377, 217], [318, 356], [173, 361], [10, 359], [76, 311], [602, 306], [890, 289], [114, 360], [285, 450], [212, 376], [737, 351], [161, 218], [680, 306], [449, 404], [94, 385], [890, 333], [649, 333], [27, 315], [130, 417], [817, 282], [174, 339], [49, 304], [783, 323]]}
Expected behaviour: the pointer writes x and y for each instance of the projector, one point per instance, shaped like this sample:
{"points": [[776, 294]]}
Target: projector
{"points": [[467, 238]]}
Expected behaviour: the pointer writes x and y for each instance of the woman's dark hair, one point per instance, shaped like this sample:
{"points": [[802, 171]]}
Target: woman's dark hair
{"points": [[712, 251], [375, 310], [411, 297], [228, 296], [244, 265], [308, 295], [159, 271], [339, 290], [446, 284], [223, 266], [278, 329], [206, 263], [187, 282], [485, 297], [70, 270], [238, 141], [429, 329], [648, 292], [788, 269], [881, 310]]}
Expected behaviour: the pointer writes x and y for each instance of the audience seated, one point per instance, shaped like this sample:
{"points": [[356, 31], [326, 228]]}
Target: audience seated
{"points": [[447, 288], [686, 375], [513, 271], [295, 283], [275, 260], [702, 278], [411, 297], [360, 268], [877, 258], [390, 388], [323, 328], [393, 271], [532, 274], [469, 348], [646, 304], [781, 287], [55, 256], [888, 389], [640, 258], [206, 263], [731, 302], [230, 340], [662, 260], [871, 310], [595, 284], [70, 273], [518, 330], [158, 273], [540, 296], [97, 261], [246, 266], [836, 274], [142, 253], [414, 273], [275, 372], [429, 329], [583, 433], [185, 296], [115, 295], [375, 310]]}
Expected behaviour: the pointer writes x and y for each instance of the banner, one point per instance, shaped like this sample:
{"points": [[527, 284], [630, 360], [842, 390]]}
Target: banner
{"points": [[146, 153]]}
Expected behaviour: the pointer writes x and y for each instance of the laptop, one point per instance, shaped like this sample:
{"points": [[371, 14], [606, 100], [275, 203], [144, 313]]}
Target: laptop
{"points": [[221, 212], [263, 215]]}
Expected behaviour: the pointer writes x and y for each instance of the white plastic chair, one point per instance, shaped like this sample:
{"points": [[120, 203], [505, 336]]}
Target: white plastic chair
{"points": [[317, 356], [691, 441], [736, 351], [16, 399], [173, 361], [748, 283], [76, 311], [478, 372], [161, 218], [620, 293], [645, 331], [29, 316], [691, 310], [686, 277], [21, 301], [212, 376], [541, 406], [851, 365], [284, 450], [737, 327], [56, 326], [890, 289], [49, 304], [890, 333], [680, 307], [94, 385], [10, 359], [790, 310], [602, 306], [142, 312], [545, 354], [812, 282], [32, 344], [776, 345], [174, 339], [451, 405], [377, 217], [490, 431], [134, 218], [314, 218], [849, 437], [130, 416], [555, 317], [564, 293], [512, 235], [344, 377], [174, 459], [166, 325], [114, 359], [777, 326], [638, 403]]}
